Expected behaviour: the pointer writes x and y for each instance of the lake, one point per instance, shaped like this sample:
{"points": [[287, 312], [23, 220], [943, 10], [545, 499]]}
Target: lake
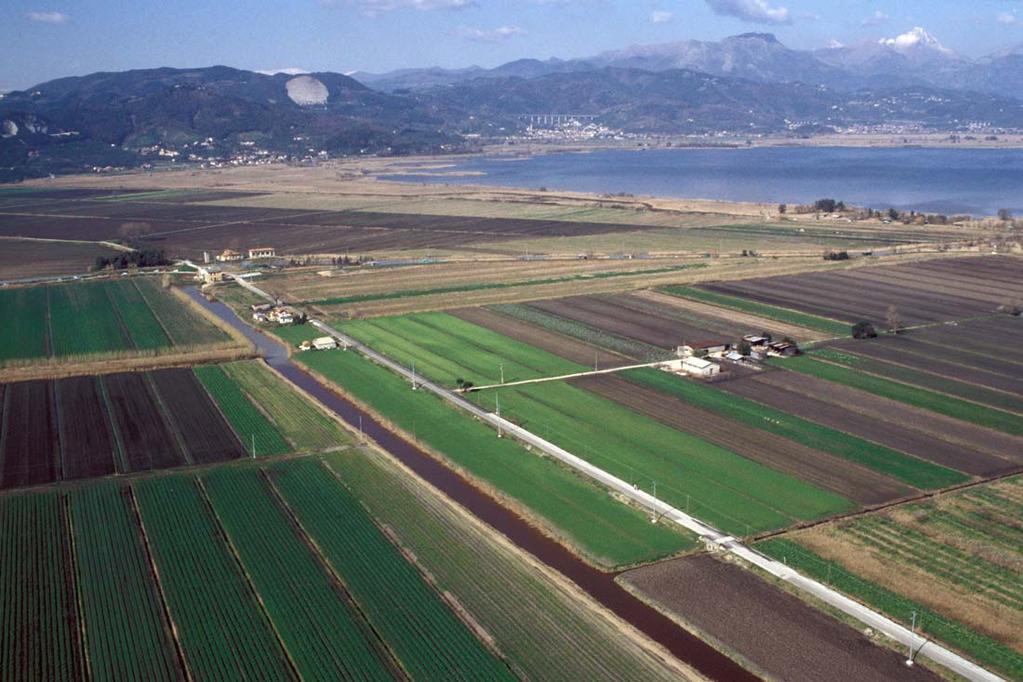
{"points": [[975, 181]]}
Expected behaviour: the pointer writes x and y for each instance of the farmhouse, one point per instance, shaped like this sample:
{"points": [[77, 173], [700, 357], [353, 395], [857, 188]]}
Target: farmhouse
{"points": [[212, 275], [698, 367], [262, 252], [700, 349], [227, 256]]}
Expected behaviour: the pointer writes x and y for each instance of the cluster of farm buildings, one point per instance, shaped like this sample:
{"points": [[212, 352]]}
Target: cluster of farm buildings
{"points": [[697, 358]]}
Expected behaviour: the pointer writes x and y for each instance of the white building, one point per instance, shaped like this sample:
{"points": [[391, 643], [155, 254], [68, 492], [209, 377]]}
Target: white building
{"points": [[325, 343], [698, 367], [262, 252]]}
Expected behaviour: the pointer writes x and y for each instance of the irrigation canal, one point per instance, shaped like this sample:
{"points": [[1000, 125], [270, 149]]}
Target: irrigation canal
{"points": [[599, 585]]}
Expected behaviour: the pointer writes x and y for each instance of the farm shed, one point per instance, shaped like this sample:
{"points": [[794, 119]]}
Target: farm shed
{"points": [[324, 343], [262, 252], [702, 349], [698, 367]]}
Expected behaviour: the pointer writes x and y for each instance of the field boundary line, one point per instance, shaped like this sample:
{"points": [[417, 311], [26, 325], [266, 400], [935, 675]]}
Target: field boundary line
{"points": [[168, 619], [72, 558]]}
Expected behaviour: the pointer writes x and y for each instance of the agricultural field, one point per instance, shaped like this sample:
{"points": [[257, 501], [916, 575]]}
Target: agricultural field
{"points": [[924, 292], [30, 258], [770, 631], [505, 599], [689, 470], [954, 559], [91, 426], [579, 513], [131, 317], [243, 570]]}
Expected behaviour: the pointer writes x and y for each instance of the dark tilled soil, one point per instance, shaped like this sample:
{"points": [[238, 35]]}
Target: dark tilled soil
{"points": [[815, 467], [864, 415], [87, 444], [30, 443], [619, 318], [148, 441], [774, 631], [207, 436]]}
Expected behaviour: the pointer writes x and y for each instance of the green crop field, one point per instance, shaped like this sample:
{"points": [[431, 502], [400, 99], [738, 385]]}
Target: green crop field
{"points": [[109, 317], [734, 493], [323, 633], [915, 472], [606, 530], [911, 395], [305, 426], [38, 626], [898, 607], [921, 379], [506, 597], [771, 312], [252, 426], [26, 330], [445, 348], [427, 637], [126, 634], [143, 327], [222, 628]]}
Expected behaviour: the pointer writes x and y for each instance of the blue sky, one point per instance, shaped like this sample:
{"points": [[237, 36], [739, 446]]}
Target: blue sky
{"points": [[44, 40]]}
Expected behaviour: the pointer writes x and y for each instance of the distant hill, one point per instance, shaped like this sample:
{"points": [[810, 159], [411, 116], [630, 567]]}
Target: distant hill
{"points": [[745, 85], [107, 118]]}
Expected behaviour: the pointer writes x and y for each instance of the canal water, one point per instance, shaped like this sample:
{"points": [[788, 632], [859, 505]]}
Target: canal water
{"points": [[598, 584]]}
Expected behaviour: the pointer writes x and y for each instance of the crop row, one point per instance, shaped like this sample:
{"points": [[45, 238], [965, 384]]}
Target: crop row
{"points": [[445, 348], [583, 332], [319, 628], [771, 312], [252, 426], [910, 470], [896, 606], [106, 318], [923, 380], [426, 636], [730, 491], [918, 397], [604, 529]]}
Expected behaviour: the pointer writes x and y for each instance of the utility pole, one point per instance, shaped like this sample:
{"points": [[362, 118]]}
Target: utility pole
{"points": [[909, 661], [497, 401], [595, 361], [413, 376], [362, 436], [253, 446], [502, 372]]}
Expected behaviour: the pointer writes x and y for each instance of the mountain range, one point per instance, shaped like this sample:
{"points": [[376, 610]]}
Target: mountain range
{"points": [[748, 84]]}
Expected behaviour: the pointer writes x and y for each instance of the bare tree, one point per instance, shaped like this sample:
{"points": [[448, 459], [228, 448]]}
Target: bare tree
{"points": [[1004, 214], [894, 319]]}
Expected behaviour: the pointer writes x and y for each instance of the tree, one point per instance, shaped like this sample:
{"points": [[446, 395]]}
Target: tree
{"points": [[1004, 214], [745, 348], [863, 330], [893, 214], [894, 319], [826, 205], [782, 209]]}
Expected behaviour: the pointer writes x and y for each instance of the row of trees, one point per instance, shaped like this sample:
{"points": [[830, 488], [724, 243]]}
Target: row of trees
{"points": [[140, 258]]}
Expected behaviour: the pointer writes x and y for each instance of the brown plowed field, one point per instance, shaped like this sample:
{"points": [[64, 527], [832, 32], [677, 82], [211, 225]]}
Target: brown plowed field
{"points": [[998, 336], [22, 259], [206, 435], [187, 229], [30, 442], [924, 292], [563, 346], [86, 441], [799, 395], [146, 437], [779, 635], [983, 370], [813, 466], [614, 314]]}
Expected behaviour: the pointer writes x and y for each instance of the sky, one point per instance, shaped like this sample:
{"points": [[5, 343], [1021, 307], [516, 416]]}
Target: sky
{"points": [[46, 39]]}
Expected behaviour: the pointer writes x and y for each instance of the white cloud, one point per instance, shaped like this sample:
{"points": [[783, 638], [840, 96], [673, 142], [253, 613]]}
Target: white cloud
{"points": [[753, 11], [1007, 18], [660, 16], [48, 17], [876, 19], [372, 7], [913, 38], [488, 35]]}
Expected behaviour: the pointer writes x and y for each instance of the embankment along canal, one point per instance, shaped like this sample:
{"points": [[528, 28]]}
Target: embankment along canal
{"points": [[600, 585]]}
